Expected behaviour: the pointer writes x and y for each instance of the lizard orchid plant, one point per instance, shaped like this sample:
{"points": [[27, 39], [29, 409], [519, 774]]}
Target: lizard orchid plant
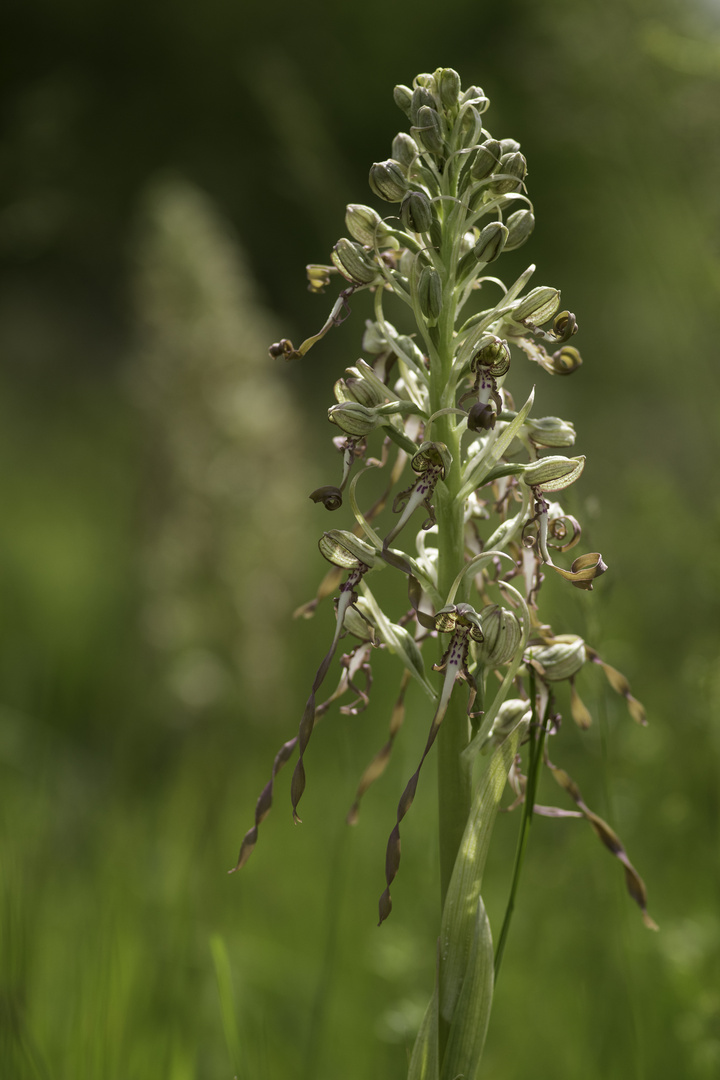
{"points": [[477, 526]]}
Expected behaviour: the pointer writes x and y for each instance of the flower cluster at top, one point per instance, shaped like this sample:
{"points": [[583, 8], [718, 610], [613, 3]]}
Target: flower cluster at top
{"points": [[430, 400]]}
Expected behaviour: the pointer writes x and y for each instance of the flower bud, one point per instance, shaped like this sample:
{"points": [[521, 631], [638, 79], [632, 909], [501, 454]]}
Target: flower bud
{"points": [[509, 146], [520, 225], [502, 636], [428, 128], [560, 659], [354, 262], [366, 389], [491, 242], [475, 96], [512, 712], [416, 212], [387, 180], [402, 96], [538, 306], [551, 431], [430, 294], [404, 149], [367, 227], [486, 160], [448, 83], [409, 347], [346, 550], [422, 98], [353, 418], [514, 169], [553, 473], [330, 497]]}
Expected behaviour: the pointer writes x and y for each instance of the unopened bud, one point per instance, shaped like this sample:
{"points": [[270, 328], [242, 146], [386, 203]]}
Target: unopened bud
{"points": [[354, 262], [520, 225], [514, 170], [430, 294], [448, 83], [422, 98], [491, 242], [551, 431], [509, 146], [486, 160], [404, 149], [345, 549], [402, 96], [511, 713], [475, 96], [353, 418], [416, 212], [502, 633], [553, 473], [560, 659], [428, 128], [538, 306], [387, 180], [367, 227]]}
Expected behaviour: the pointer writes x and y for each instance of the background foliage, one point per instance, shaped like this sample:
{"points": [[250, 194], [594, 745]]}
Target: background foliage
{"points": [[166, 174]]}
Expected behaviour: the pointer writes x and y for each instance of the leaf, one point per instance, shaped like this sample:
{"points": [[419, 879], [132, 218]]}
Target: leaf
{"points": [[424, 1063], [470, 1020], [460, 914]]}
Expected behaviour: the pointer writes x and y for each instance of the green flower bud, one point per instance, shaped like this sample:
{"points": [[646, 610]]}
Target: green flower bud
{"points": [[502, 636], [520, 225], [422, 98], [374, 340], [538, 306], [402, 96], [509, 146], [346, 550], [553, 473], [514, 169], [404, 149], [491, 242], [354, 262], [448, 83], [430, 294], [560, 659], [409, 347], [416, 212], [353, 418], [428, 128], [388, 181], [357, 387], [551, 431], [367, 227], [486, 160], [476, 97], [512, 712]]}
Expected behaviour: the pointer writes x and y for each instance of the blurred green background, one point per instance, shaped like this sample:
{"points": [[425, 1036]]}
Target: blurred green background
{"points": [[166, 171]]}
